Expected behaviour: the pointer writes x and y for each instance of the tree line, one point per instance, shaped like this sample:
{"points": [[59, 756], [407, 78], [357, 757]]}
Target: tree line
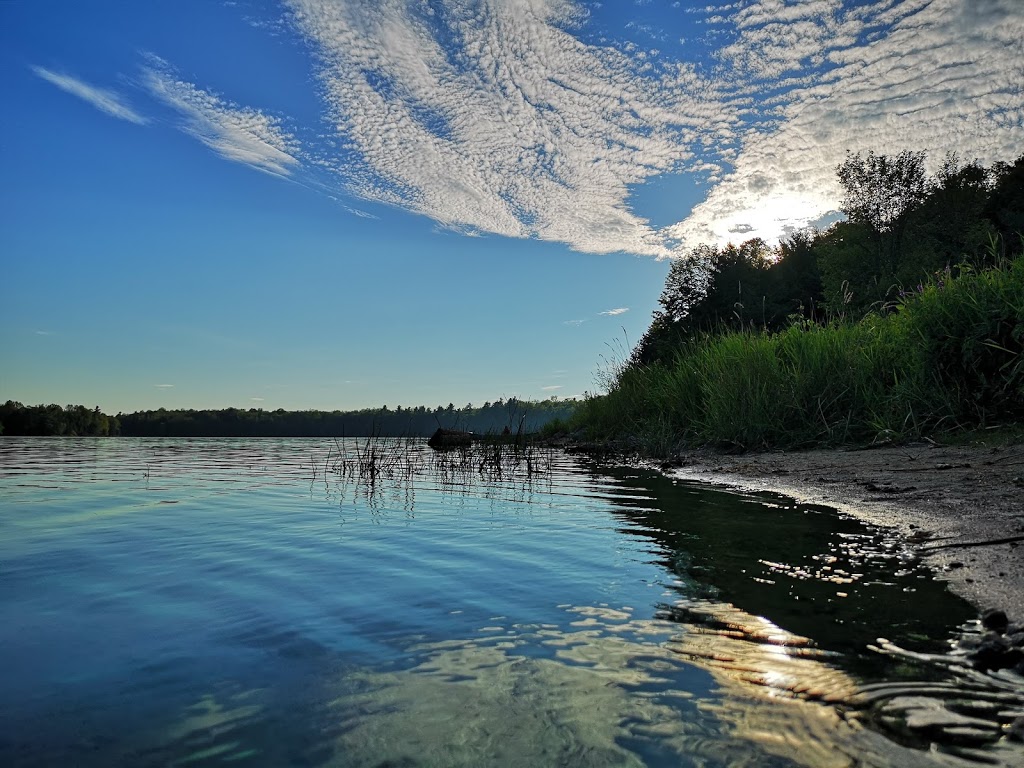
{"points": [[71, 420], [902, 226], [492, 417]]}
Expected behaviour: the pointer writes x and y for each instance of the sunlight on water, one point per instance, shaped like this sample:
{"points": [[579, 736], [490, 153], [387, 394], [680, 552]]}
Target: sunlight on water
{"points": [[305, 602]]}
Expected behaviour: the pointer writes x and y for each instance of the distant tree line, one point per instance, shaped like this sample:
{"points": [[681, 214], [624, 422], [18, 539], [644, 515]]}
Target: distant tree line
{"points": [[71, 420], [492, 417], [902, 226]]}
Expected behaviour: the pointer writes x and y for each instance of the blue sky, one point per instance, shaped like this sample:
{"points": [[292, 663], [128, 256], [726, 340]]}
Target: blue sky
{"points": [[344, 204]]}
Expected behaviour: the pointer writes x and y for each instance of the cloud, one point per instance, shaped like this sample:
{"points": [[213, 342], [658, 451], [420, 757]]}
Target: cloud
{"points": [[492, 117], [938, 75], [257, 399], [44, 333], [164, 386], [360, 213], [237, 133], [614, 312], [552, 387], [104, 100], [497, 117], [573, 322]]}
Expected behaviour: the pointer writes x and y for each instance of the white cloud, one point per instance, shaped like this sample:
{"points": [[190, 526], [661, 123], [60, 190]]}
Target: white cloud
{"points": [[103, 99], [573, 322], [238, 133], [164, 386], [552, 387], [614, 312], [940, 76], [492, 117]]}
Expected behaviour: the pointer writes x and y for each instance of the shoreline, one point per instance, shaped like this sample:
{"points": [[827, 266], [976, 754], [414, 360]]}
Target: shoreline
{"points": [[959, 508]]}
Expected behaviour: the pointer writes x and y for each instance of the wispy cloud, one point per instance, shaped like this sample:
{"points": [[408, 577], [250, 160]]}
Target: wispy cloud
{"points": [[360, 213], [614, 312], [573, 322], [493, 117], [238, 133], [164, 386], [44, 333], [552, 387], [103, 99]]}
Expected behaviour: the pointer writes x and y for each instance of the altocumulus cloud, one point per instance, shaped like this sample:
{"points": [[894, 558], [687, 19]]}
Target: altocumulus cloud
{"points": [[491, 116], [495, 116], [102, 99], [238, 133], [939, 75]]}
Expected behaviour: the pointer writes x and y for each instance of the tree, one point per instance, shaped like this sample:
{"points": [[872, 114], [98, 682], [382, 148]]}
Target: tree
{"points": [[1005, 207], [880, 191], [949, 226]]}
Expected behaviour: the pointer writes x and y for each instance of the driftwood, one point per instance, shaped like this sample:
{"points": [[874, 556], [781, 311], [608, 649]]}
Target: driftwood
{"points": [[450, 438]]}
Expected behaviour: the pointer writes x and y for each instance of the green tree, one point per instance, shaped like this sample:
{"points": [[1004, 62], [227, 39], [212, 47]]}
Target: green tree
{"points": [[880, 191]]}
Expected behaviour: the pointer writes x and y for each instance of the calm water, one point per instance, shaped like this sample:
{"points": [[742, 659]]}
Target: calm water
{"points": [[269, 602]]}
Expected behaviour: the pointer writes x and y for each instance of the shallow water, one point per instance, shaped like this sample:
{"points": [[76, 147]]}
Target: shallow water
{"points": [[276, 602]]}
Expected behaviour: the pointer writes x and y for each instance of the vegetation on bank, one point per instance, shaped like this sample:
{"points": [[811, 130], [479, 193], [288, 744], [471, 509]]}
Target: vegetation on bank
{"points": [[18, 419], [517, 415], [904, 320]]}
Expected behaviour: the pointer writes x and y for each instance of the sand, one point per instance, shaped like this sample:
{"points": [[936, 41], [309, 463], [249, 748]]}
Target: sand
{"points": [[960, 507]]}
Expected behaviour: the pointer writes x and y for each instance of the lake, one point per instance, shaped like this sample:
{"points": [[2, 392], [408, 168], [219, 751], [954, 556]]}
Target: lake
{"points": [[305, 602]]}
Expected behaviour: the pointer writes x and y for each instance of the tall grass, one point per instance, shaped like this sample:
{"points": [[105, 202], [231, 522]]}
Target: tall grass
{"points": [[949, 355]]}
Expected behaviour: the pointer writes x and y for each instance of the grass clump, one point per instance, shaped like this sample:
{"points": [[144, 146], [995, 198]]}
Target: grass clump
{"points": [[947, 356]]}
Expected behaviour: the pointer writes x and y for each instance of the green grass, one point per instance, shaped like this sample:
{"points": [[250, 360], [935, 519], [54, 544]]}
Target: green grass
{"points": [[948, 358]]}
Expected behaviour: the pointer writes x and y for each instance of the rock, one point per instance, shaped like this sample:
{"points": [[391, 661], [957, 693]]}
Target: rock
{"points": [[450, 438], [1015, 732], [995, 620], [994, 653]]}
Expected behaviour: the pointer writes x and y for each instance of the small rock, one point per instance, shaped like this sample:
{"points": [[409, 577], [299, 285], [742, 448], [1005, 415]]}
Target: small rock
{"points": [[994, 653], [1015, 732], [995, 620]]}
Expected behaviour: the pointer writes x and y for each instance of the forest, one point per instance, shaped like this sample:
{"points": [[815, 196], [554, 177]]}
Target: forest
{"points": [[492, 417], [904, 319]]}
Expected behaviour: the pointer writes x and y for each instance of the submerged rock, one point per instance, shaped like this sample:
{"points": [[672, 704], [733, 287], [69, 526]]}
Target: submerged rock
{"points": [[450, 438], [995, 620]]}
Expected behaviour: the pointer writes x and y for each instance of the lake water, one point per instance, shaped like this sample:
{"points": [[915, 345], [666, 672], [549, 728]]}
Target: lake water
{"points": [[300, 602]]}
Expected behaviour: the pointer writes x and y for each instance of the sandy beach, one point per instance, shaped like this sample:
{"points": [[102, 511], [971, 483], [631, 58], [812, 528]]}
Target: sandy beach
{"points": [[960, 507]]}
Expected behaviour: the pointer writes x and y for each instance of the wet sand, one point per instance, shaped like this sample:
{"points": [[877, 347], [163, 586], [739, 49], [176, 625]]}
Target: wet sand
{"points": [[959, 507]]}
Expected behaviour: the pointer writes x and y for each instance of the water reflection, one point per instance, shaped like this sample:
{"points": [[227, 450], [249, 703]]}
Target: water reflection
{"points": [[296, 605]]}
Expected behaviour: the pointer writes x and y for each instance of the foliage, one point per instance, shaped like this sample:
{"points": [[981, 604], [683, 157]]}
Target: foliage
{"points": [[902, 225], [72, 420], [949, 355], [420, 421], [970, 330]]}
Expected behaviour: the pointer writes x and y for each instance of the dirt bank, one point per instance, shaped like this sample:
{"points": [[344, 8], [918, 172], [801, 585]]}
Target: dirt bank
{"points": [[961, 507]]}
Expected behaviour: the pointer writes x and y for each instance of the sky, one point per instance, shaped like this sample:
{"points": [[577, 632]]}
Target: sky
{"points": [[343, 204]]}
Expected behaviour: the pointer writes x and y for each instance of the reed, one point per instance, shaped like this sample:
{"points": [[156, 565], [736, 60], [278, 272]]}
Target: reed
{"points": [[947, 356]]}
